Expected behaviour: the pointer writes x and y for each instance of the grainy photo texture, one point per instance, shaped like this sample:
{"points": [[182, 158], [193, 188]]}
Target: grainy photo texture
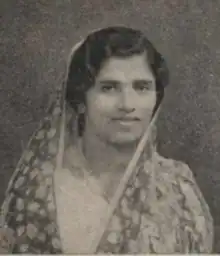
{"points": [[91, 178]]}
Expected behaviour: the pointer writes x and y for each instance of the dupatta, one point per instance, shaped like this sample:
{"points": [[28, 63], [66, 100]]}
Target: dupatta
{"points": [[29, 214]]}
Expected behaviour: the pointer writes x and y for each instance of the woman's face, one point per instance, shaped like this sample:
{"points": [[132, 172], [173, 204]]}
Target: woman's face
{"points": [[120, 104]]}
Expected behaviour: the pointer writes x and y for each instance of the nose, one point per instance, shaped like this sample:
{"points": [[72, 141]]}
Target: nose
{"points": [[127, 101]]}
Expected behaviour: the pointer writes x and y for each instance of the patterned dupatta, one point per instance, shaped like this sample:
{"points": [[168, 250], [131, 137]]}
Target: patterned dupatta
{"points": [[29, 215]]}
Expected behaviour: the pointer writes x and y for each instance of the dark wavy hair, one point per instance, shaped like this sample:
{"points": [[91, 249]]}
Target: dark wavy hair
{"points": [[97, 48]]}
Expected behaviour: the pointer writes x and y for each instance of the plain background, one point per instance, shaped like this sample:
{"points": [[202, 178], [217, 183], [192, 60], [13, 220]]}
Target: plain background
{"points": [[36, 38]]}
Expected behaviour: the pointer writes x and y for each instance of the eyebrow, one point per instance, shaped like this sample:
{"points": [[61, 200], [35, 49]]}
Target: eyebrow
{"points": [[111, 81], [147, 81]]}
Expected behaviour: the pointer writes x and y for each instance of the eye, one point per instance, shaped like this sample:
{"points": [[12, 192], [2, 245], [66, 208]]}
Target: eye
{"points": [[108, 87], [143, 86]]}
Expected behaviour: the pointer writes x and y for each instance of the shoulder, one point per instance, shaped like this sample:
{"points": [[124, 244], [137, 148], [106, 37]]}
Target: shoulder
{"points": [[179, 170], [173, 166], [193, 204], [181, 175], [175, 170]]}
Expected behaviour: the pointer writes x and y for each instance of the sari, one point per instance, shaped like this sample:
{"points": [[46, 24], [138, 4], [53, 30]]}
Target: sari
{"points": [[51, 207]]}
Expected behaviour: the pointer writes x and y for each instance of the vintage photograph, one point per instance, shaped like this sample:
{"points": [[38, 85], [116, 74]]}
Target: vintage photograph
{"points": [[110, 135]]}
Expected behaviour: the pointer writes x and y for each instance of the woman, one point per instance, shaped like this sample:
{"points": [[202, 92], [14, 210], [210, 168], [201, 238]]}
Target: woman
{"points": [[91, 180]]}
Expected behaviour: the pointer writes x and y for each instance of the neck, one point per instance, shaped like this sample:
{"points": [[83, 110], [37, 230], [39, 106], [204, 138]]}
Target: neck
{"points": [[104, 157]]}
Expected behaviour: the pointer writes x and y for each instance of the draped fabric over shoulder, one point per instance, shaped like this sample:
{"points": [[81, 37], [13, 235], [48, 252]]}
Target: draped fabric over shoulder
{"points": [[52, 207]]}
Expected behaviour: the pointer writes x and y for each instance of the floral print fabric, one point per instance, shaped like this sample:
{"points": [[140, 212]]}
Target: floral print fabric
{"points": [[161, 210]]}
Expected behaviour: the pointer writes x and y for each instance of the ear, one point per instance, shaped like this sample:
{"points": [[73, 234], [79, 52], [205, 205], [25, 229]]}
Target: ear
{"points": [[81, 108]]}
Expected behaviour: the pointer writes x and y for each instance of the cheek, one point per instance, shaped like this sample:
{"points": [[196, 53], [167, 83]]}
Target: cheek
{"points": [[101, 105], [147, 103]]}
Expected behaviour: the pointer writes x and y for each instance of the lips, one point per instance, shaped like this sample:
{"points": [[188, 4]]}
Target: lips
{"points": [[126, 120]]}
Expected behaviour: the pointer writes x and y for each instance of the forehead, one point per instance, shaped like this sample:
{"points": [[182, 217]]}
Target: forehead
{"points": [[129, 68]]}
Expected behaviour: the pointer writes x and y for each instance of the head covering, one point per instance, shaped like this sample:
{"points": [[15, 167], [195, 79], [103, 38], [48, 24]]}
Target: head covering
{"points": [[29, 208]]}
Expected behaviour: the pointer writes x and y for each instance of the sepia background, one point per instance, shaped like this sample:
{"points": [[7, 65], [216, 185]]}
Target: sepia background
{"points": [[36, 38]]}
